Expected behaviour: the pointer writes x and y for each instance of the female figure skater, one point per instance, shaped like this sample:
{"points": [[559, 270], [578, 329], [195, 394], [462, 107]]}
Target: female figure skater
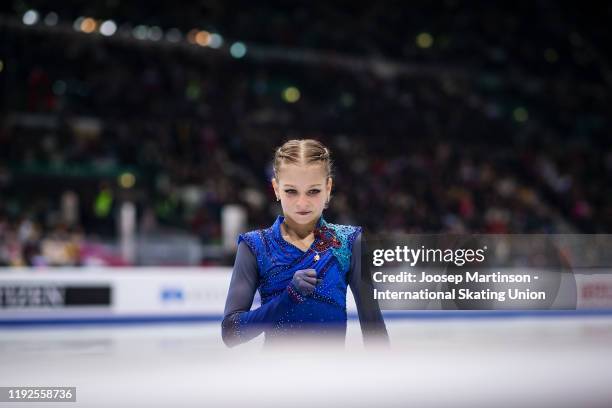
{"points": [[301, 265]]}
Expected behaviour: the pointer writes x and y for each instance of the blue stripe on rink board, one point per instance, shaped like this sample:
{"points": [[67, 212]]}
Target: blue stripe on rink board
{"points": [[388, 315], [489, 314]]}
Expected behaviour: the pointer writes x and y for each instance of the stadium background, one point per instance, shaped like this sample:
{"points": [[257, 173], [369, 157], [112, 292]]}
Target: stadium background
{"points": [[136, 138]]}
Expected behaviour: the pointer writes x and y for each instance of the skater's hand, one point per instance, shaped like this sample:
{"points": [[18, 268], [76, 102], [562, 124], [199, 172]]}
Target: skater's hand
{"points": [[305, 281]]}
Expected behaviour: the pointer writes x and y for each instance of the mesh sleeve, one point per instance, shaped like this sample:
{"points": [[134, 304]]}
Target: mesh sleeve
{"points": [[240, 324], [360, 281]]}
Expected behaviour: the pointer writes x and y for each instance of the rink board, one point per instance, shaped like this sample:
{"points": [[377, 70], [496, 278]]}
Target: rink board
{"points": [[132, 295]]}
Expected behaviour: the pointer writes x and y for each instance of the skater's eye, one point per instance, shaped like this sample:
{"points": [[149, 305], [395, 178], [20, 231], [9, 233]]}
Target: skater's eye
{"points": [[290, 191], [314, 191]]}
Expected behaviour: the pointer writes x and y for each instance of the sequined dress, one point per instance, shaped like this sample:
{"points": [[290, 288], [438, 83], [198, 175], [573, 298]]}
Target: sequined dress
{"points": [[266, 262]]}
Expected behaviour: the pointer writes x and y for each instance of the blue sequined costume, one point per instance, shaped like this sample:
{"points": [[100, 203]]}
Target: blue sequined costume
{"points": [[284, 311]]}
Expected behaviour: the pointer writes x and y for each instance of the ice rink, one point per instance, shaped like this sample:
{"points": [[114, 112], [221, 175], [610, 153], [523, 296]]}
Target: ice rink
{"points": [[516, 360]]}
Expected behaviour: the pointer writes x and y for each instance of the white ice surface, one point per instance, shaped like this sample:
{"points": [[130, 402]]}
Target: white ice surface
{"points": [[522, 362]]}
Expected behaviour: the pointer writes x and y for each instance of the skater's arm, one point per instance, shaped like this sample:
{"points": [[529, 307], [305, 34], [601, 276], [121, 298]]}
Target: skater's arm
{"points": [[240, 324], [360, 281]]}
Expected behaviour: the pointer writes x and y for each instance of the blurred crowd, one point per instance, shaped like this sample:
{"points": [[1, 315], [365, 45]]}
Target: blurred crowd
{"points": [[503, 127]]}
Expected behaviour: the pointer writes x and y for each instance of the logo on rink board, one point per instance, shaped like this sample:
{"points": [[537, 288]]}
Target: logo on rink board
{"points": [[53, 296]]}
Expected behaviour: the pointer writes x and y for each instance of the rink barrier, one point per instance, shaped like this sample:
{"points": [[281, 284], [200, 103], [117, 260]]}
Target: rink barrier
{"points": [[79, 296]]}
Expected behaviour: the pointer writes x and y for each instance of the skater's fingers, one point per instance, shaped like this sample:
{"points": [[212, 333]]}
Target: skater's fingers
{"points": [[312, 281], [306, 288], [310, 272]]}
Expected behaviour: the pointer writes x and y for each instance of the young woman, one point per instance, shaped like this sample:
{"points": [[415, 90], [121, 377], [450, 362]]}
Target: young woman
{"points": [[301, 265]]}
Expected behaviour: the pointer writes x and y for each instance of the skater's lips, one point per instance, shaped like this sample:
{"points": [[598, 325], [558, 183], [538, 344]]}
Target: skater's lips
{"points": [[303, 212]]}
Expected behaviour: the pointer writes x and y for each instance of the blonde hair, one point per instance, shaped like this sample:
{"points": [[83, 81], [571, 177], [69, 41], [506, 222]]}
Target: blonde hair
{"points": [[302, 151]]}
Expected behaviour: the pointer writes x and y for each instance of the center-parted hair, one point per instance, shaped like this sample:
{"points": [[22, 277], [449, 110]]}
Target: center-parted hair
{"points": [[302, 151]]}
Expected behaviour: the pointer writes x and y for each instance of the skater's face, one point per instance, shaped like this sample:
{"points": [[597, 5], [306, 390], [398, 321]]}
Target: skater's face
{"points": [[303, 191]]}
